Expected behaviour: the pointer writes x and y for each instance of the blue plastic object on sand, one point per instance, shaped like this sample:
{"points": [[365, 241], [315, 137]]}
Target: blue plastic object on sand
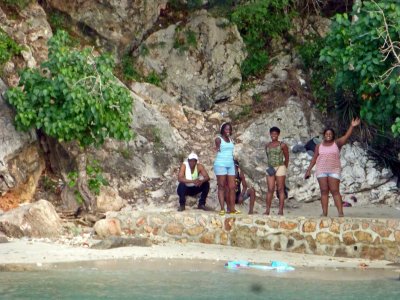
{"points": [[278, 266]]}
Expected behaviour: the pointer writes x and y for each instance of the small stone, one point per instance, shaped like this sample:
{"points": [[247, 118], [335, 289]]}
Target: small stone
{"points": [[174, 228], [309, 226], [229, 223], [372, 253], [207, 238], [326, 238], [348, 238], [272, 224], [363, 236], [194, 231], [288, 225], [381, 230], [335, 227], [325, 223], [140, 221]]}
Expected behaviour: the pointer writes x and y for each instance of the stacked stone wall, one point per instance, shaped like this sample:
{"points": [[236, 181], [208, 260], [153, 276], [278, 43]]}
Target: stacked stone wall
{"points": [[343, 237]]}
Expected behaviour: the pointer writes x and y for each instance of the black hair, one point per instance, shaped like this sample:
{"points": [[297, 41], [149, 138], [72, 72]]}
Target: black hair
{"points": [[236, 162], [223, 127], [330, 129], [274, 129]]}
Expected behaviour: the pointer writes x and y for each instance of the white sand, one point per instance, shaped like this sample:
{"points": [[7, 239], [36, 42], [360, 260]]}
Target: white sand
{"points": [[39, 253]]}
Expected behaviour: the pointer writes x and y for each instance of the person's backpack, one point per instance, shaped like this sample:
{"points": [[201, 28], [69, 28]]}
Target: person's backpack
{"points": [[311, 144]]}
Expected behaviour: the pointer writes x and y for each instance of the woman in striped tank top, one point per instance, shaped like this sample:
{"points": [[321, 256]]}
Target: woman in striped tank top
{"points": [[224, 169], [327, 158]]}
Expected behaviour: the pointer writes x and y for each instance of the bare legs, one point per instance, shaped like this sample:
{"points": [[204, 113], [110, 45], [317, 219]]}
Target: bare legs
{"points": [[252, 194], [226, 191], [221, 182], [280, 185], [326, 185]]}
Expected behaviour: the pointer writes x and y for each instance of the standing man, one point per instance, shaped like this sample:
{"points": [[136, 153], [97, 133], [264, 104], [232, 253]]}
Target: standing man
{"points": [[193, 179]]}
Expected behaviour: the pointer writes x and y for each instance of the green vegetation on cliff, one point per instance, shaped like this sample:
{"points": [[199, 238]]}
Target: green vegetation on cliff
{"points": [[8, 48], [73, 96], [365, 54]]}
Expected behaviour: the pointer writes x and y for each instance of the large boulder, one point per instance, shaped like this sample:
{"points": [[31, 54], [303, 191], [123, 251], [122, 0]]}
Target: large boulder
{"points": [[20, 161], [294, 125], [199, 61], [38, 219], [116, 24]]}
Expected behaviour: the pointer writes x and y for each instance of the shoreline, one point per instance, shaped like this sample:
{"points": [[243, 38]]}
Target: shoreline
{"points": [[38, 253]]}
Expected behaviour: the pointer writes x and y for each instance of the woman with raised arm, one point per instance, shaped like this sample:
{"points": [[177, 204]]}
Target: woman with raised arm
{"points": [[224, 169], [328, 171]]}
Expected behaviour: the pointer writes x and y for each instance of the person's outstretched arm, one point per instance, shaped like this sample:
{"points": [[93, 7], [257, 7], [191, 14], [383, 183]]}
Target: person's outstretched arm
{"points": [[340, 142], [312, 162]]}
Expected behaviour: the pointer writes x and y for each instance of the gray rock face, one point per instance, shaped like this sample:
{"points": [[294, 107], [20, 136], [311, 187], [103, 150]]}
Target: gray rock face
{"points": [[156, 145], [200, 61], [294, 126], [37, 219], [32, 31], [118, 24], [20, 161]]}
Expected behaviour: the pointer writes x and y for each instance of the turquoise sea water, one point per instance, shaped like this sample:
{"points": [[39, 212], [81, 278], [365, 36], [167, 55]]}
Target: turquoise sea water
{"points": [[163, 279]]}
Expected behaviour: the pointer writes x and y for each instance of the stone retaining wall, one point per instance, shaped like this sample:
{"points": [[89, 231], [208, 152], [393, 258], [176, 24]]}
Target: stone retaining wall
{"points": [[345, 237]]}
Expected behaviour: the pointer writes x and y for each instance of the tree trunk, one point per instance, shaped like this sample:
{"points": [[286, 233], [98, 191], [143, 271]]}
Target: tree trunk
{"points": [[89, 199]]}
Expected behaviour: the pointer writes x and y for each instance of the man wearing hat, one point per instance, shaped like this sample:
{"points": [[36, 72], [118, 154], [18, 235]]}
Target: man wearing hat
{"points": [[193, 179]]}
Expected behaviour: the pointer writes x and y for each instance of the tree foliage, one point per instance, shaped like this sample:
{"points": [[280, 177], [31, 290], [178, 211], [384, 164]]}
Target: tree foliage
{"points": [[258, 22], [73, 96], [364, 54]]}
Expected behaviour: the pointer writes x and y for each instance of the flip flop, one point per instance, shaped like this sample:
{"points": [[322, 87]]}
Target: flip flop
{"points": [[222, 213]]}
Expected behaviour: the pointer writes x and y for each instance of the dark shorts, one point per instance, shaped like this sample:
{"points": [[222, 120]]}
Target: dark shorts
{"points": [[245, 196]]}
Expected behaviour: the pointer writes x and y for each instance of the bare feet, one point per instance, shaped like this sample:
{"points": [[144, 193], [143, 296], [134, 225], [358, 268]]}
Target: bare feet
{"points": [[280, 213], [251, 212], [266, 213]]}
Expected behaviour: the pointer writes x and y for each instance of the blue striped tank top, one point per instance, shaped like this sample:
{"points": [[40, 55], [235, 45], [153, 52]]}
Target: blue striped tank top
{"points": [[224, 156]]}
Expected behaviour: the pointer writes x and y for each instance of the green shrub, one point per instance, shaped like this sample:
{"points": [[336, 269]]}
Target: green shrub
{"points": [[363, 73], [8, 48], [17, 3], [258, 23], [73, 96], [128, 70]]}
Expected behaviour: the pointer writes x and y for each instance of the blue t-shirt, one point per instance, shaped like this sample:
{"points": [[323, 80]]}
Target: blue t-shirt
{"points": [[224, 156]]}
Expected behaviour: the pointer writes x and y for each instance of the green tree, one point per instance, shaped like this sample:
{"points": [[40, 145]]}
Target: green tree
{"points": [[73, 97], [365, 56]]}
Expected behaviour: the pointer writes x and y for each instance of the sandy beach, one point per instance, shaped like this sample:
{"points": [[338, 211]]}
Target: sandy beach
{"points": [[41, 253]]}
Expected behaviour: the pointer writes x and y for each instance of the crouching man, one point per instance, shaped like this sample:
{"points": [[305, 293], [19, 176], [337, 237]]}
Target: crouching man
{"points": [[193, 179]]}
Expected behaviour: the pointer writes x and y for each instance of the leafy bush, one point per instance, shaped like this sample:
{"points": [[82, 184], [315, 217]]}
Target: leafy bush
{"points": [[17, 3], [364, 54], [320, 74], [258, 22], [8, 48], [73, 96]]}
